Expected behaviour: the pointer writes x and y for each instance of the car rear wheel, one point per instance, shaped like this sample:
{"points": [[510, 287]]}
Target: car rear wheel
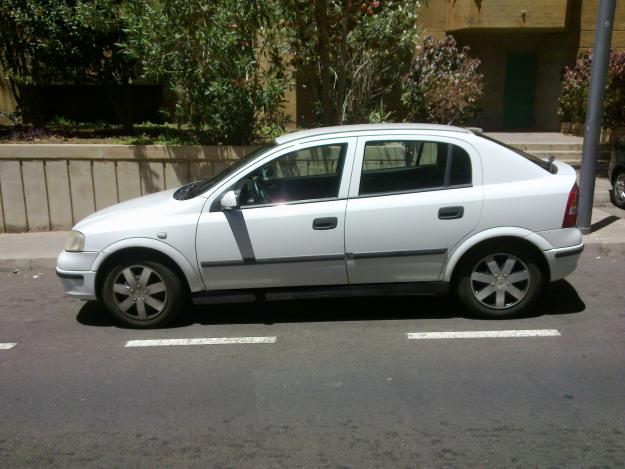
{"points": [[618, 189], [499, 281], [143, 294]]}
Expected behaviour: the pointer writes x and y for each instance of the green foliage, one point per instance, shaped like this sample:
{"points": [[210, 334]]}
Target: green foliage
{"points": [[63, 41], [350, 54], [380, 115], [574, 96], [221, 59], [444, 85]]}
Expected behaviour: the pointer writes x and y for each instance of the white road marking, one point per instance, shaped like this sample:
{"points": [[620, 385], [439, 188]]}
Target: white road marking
{"points": [[204, 341], [484, 334], [7, 346]]}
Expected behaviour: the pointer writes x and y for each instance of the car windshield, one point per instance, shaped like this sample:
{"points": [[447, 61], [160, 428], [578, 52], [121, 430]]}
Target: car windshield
{"points": [[195, 188], [546, 165]]}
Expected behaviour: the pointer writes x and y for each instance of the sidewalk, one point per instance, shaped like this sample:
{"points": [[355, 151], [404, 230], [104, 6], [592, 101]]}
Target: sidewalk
{"points": [[602, 191], [531, 138], [30, 251], [38, 251]]}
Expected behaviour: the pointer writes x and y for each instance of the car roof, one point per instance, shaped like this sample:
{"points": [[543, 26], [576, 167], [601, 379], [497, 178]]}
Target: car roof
{"points": [[290, 137]]}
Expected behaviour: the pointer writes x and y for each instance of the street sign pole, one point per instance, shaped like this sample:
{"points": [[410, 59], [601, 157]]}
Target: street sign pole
{"points": [[592, 127]]}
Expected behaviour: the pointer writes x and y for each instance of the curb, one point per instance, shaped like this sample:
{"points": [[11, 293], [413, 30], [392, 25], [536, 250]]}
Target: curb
{"points": [[29, 264]]}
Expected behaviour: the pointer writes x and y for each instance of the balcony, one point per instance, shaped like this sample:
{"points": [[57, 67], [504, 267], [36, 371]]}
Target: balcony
{"points": [[506, 14]]}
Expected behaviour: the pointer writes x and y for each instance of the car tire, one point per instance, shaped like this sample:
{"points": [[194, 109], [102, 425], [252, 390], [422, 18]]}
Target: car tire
{"points": [[618, 189], [143, 294], [499, 280]]}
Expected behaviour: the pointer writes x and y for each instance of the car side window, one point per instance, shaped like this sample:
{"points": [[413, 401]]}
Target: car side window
{"points": [[411, 165], [460, 171], [307, 174]]}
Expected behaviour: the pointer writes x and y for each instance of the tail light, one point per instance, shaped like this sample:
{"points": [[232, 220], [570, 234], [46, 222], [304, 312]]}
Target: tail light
{"points": [[570, 214]]}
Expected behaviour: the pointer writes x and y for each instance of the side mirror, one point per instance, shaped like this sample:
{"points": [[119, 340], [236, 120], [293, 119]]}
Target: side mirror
{"points": [[229, 201]]}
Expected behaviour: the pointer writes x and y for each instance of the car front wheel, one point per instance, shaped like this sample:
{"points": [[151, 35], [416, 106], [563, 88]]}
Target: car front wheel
{"points": [[499, 281], [618, 190], [143, 294]]}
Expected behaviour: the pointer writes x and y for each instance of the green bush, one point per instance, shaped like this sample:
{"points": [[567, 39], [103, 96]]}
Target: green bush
{"points": [[351, 54], [444, 85], [46, 42], [575, 84], [222, 61]]}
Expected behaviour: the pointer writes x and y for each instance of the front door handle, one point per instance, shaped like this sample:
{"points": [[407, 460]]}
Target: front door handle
{"points": [[327, 223], [450, 213]]}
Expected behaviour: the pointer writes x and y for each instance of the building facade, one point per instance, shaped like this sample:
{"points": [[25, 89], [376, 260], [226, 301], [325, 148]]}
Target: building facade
{"points": [[524, 46]]}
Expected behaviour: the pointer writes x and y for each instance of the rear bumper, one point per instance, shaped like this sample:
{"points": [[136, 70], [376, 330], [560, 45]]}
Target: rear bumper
{"points": [[563, 261]]}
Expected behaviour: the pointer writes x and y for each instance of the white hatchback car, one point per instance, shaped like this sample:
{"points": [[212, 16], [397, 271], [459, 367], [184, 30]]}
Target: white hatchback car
{"points": [[367, 209]]}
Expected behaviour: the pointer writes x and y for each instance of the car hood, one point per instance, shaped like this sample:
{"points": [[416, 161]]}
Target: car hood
{"points": [[152, 202], [144, 217]]}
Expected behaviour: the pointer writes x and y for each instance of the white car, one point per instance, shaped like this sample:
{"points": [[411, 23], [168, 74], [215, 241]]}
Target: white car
{"points": [[367, 209]]}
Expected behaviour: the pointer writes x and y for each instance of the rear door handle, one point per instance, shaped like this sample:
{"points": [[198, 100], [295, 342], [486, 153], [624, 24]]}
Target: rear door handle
{"points": [[450, 213], [327, 223]]}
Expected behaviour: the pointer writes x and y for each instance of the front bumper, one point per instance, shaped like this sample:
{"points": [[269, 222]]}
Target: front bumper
{"points": [[563, 261], [74, 271]]}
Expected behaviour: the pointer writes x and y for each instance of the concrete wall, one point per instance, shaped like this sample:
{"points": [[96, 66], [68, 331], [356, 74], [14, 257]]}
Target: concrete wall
{"points": [[51, 187], [588, 19], [464, 14], [7, 100], [553, 51], [555, 29]]}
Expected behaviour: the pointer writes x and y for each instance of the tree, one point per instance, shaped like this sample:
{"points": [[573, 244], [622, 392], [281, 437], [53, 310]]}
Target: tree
{"points": [[223, 61], [64, 41], [576, 82], [351, 54], [444, 85]]}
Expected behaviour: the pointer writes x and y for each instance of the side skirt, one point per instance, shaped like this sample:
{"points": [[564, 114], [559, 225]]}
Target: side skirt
{"points": [[325, 291]]}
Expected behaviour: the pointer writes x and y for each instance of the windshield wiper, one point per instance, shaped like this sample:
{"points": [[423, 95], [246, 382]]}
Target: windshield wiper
{"points": [[186, 191]]}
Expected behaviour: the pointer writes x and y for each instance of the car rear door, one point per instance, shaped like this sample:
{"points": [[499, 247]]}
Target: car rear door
{"points": [[295, 235], [411, 200]]}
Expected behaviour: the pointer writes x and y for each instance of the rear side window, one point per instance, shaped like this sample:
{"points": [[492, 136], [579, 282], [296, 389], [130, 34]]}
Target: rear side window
{"points": [[411, 165]]}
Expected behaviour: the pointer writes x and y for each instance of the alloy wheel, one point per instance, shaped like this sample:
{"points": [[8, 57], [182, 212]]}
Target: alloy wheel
{"points": [[140, 292], [500, 281]]}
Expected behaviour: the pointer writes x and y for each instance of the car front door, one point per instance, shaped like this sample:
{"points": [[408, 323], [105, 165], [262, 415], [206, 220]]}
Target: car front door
{"points": [[288, 229], [411, 200]]}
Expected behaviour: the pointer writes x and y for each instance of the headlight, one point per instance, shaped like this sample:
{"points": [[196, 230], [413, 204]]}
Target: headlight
{"points": [[75, 242]]}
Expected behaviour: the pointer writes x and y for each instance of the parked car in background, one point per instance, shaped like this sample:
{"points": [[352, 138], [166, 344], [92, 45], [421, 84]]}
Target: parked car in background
{"points": [[616, 173], [367, 209]]}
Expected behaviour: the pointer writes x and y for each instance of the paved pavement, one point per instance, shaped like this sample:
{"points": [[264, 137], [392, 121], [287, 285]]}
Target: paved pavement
{"points": [[325, 383], [542, 138]]}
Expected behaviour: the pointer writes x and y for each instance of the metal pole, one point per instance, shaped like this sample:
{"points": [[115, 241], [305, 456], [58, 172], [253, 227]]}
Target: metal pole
{"points": [[592, 127]]}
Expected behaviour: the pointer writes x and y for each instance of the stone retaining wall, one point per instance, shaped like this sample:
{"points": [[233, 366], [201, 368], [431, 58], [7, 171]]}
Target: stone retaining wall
{"points": [[51, 187]]}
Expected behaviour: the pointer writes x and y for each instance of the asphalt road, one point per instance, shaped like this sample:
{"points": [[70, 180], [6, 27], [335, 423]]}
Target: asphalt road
{"points": [[342, 385]]}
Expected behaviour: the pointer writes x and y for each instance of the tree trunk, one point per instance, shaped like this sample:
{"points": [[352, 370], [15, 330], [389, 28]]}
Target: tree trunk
{"points": [[341, 80], [122, 105], [328, 108]]}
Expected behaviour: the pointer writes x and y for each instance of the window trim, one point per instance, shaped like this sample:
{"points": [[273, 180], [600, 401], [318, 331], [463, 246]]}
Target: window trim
{"points": [[354, 190], [412, 191], [293, 202]]}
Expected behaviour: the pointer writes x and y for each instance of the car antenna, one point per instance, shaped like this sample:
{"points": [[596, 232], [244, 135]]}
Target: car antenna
{"points": [[551, 158]]}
